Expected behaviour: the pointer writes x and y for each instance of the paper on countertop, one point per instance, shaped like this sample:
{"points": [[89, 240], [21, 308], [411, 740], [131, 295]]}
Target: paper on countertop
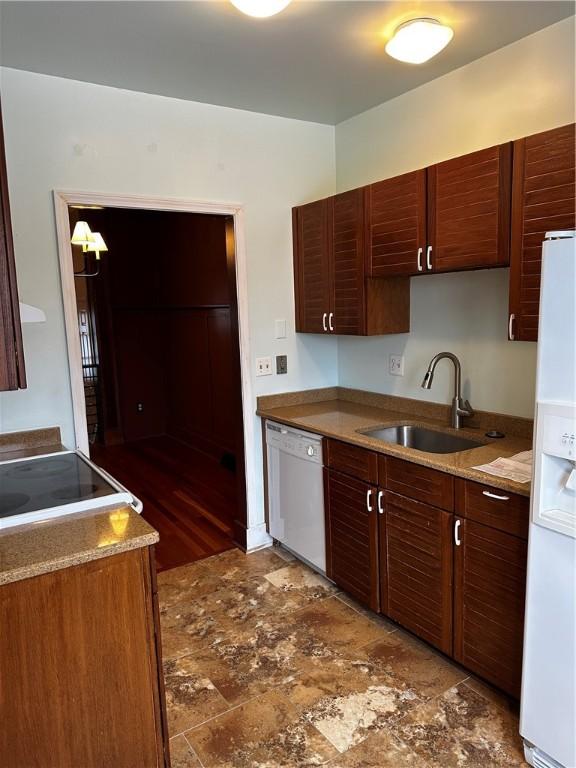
{"points": [[517, 468]]}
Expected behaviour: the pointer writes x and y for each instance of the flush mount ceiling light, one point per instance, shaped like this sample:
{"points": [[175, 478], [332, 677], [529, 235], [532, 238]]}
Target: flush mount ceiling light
{"points": [[260, 8], [418, 40]]}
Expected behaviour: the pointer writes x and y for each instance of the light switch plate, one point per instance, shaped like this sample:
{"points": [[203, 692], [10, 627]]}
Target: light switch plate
{"points": [[280, 329], [396, 365], [263, 366]]}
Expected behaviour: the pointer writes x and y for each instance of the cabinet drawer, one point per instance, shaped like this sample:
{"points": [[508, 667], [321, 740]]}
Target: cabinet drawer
{"points": [[494, 507], [417, 482], [353, 461]]}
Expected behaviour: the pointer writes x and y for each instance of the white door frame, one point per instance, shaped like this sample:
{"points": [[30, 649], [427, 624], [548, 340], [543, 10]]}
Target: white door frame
{"points": [[63, 199]]}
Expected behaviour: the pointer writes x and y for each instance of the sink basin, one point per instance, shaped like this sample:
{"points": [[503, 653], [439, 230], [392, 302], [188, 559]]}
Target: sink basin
{"points": [[422, 439]]}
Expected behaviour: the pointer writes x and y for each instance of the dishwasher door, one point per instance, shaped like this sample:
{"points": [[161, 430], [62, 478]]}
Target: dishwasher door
{"points": [[296, 492]]}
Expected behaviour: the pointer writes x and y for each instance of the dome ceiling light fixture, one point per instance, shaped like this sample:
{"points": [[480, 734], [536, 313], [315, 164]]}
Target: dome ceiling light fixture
{"points": [[418, 40], [260, 8]]}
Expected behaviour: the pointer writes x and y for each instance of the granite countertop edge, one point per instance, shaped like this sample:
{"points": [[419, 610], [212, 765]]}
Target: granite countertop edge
{"points": [[77, 558]]}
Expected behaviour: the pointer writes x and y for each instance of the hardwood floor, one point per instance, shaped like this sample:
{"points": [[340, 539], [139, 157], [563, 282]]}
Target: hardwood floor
{"points": [[188, 497]]}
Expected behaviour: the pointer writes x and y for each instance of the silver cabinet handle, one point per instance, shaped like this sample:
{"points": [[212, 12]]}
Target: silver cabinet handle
{"points": [[368, 496], [420, 259], [511, 326], [429, 257], [380, 497], [457, 539], [495, 496], [324, 316], [330, 324]]}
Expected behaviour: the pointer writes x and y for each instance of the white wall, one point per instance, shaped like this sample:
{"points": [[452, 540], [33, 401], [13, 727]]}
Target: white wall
{"points": [[62, 134], [523, 88]]}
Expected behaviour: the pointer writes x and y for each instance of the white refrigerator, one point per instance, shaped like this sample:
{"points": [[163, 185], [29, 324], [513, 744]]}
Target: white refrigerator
{"points": [[548, 707]]}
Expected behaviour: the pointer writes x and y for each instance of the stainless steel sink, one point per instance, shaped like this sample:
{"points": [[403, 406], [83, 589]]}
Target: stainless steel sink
{"points": [[422, 439]]}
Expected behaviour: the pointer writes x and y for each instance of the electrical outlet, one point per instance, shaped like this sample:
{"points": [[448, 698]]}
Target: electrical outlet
{"points": [[280, 329], [263, 366], [396, 365], [139, 407], [281, 364]]}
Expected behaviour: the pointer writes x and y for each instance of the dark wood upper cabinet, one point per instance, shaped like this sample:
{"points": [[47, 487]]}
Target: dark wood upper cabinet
{"points": [[543, 199], [346, 241], [419, 569], [332, 292], [396, 225], [352, 537], [469, 211], [489, 595], [312, 268], [12, 372]]}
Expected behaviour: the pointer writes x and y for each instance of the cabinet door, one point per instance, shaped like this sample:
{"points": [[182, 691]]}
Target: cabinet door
{"points": [[79, 670], [347, 252], [419, 569], [352, 537], [490, 584], [543, 195], [12, 374], [312, 273], [396, 225], [469, 211]]}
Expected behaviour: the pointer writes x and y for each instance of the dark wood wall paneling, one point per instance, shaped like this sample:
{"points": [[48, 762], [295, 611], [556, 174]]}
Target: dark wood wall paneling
{"points": [[165, 326]]}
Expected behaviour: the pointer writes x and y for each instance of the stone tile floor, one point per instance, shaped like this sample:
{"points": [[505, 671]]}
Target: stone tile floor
{"points": [[267, 665]]}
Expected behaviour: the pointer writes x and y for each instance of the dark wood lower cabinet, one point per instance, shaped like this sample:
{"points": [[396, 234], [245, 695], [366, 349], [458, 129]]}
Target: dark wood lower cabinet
{"points": [[419, 569], [490, 585], [80, 675], [352, 533], [457, 581]]}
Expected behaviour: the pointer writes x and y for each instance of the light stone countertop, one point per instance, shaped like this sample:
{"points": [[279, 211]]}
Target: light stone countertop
{"points": [[345, 414], [37, 548]]}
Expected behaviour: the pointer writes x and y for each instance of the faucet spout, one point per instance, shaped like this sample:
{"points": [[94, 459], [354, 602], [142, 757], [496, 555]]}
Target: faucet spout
{"points": [[460, 407]]}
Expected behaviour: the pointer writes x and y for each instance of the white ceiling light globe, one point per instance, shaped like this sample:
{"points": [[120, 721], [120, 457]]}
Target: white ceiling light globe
{"points": [[260, 8], [418, 40]]}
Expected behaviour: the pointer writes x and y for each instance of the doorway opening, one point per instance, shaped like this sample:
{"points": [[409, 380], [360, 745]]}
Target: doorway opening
{"points": [[157, 325]]}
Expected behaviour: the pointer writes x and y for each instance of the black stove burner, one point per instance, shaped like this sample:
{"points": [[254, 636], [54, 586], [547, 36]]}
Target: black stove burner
{"points": [[49, 482], [75, 492], [40, 469], [11, 502]]}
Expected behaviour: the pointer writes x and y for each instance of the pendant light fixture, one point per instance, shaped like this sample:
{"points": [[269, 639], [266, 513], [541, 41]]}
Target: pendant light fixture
{"points": [[418, 40], [260, 8]]}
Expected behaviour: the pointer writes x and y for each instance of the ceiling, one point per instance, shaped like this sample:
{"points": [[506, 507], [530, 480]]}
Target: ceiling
{"points": [[321, 61]]}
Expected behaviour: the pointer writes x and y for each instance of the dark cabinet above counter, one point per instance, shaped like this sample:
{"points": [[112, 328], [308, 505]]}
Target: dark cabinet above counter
{"points": [[354, 253], [333, 293], [12, 374]]}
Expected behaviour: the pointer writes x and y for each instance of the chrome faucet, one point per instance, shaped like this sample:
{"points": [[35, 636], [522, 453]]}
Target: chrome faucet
{"points": [[460, 407]]}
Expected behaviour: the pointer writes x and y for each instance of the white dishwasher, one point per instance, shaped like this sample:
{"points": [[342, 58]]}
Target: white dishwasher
{"points": [[296, 492]]}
